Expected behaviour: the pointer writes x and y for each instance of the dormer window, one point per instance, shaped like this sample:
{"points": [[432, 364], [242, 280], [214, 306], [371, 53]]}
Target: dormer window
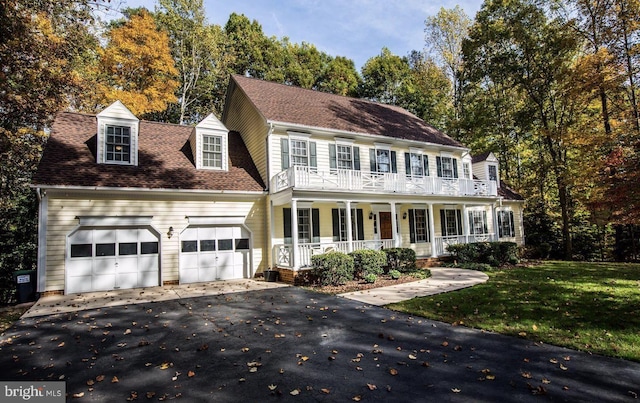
{"points": [[210, 144], [493, 173], [118, 144], [117, 136], [212, 151]]}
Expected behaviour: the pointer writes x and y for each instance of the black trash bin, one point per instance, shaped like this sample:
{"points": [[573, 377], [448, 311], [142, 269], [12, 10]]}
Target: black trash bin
{"points": [[25, 285], [271, 275]]}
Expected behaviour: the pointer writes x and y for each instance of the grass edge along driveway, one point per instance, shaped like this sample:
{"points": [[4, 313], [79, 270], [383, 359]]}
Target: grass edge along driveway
{"points": [[592, 307]]}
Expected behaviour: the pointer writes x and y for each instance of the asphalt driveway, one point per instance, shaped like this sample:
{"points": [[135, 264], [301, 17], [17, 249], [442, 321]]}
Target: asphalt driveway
{"points": [[289, 344]]}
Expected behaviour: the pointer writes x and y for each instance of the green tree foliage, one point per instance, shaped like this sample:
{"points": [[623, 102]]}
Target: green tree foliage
{"points": [[384, 78], [197, 50], [42, 46]]}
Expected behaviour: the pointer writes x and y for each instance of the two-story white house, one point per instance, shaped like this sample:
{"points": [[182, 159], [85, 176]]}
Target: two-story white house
{"points": [[285, 174]]}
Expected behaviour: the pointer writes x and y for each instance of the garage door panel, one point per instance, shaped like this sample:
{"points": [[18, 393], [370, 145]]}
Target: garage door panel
{"points": [[121, 257], [189, 260]]}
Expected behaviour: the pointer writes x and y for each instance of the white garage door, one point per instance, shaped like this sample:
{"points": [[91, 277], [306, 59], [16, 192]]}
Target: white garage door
{"points": [[212, 253], [101, 259]]}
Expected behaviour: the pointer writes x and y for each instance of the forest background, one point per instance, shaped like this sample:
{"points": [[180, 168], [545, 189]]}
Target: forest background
{"points": [[550, 87]]}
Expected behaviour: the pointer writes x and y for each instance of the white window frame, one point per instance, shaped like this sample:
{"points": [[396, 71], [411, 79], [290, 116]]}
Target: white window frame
{"points": [[421, 231], [446, 161], [477, 222], [224, 149], [292, 152], [117, 145], [505, 223], [219, 152], [489, 172], [416, 161], [380, 151], [466, 170], [448, 221]]}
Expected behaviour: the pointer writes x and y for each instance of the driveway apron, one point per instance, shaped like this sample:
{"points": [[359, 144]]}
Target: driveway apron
{"points": [[290, 344]]}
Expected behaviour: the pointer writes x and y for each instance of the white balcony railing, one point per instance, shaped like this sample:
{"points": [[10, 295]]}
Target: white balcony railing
{"points": [[300, 177]]}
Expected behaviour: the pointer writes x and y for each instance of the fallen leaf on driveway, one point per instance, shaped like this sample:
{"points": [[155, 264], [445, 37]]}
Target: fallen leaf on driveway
{"points": [[393, 371], [372, 386], [456, 390], [115, 379]]}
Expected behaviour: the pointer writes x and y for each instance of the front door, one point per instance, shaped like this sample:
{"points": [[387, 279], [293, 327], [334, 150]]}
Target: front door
{"points": [[386, 231]]}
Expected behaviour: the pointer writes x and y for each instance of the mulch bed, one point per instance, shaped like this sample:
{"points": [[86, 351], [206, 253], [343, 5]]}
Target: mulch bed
{"points": [[359, 285]]}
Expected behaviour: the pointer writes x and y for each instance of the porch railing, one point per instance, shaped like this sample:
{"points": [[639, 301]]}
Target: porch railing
{"points": [[344, 179], [283, 253], [441, 242]]}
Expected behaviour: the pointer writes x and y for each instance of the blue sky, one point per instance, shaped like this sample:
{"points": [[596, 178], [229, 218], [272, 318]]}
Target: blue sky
{"points": [[357, 29]]}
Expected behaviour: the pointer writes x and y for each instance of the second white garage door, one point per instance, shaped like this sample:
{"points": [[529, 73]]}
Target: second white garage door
{"points": [[210, 253]]}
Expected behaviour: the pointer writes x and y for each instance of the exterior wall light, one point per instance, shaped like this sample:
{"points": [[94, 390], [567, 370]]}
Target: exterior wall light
{"points": [[170, 232]]}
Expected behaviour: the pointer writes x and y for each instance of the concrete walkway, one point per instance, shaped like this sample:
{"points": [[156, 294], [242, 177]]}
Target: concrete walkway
{"points": [[442, 280]]}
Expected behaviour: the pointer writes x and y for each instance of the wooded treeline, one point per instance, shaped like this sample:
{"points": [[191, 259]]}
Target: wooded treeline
{"points": [[550, 87]]}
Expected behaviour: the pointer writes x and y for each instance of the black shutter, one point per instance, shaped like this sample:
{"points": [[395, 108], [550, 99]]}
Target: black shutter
{"points": [[513, 224], [443, 224], [360, 224], [425, 163], [439, 166], [459, 214], [394, 168], [471, 227], [315, 225], [356, 158], [407, 163], [333, 163], [428, 226], [335, 219], [313, 159], [484, 222], [412, 226], [455, 167], [500, 234], [372, 159], [287, 225], [284, 153]]}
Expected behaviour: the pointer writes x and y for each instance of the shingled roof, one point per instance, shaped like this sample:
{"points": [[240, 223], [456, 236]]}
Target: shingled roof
{"points": [[289, 104], [165, 160], [507, 193]]}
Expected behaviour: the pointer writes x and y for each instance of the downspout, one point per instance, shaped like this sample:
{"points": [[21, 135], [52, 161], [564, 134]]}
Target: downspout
{"points": [[268, 225], [42, 239]]}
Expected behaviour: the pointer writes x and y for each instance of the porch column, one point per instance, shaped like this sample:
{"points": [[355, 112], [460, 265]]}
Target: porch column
{"points": [[394, 226], [432, 231], [465, 223], [494, 223], [294, 234], [347, 205]]}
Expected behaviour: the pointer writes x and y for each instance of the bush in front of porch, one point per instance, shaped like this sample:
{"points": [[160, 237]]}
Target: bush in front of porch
{"points": [[495, 254], [368, 261], [401, 259], [333, 268]]}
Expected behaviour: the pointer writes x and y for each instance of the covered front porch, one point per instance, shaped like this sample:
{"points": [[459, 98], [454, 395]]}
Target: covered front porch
{"points": [[324, 225]]}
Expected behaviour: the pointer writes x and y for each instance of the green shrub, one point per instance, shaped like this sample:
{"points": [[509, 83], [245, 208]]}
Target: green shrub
{"points": [[333, 268], [492, 253], [401, 259], [370, 278], [367, 261], [395, 274], [475, 266]]}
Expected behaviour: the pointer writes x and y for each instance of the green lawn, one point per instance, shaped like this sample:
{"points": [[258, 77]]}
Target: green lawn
{"points": [[592, 307]]}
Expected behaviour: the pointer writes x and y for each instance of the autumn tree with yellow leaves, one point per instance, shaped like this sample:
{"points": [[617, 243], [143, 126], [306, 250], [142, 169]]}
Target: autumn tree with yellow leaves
{"points": [[136, 67]]}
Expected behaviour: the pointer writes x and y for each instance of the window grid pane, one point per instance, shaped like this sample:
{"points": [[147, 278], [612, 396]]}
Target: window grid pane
{"points": [[383, 161], [118, 143], [466, 170], [451, 222], [477, 225], [304, 225], [420, 221], [493, 173], [447, 167], [344, 157], [416, 165], [505, 225], [212, 151], [299, 154]]}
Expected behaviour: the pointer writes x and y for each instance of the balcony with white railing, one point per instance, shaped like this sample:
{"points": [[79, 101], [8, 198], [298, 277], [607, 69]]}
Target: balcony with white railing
{"points": [[300, 177]]}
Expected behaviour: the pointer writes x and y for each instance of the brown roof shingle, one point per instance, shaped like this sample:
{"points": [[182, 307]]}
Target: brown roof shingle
{"points": [[289, 104], [164, 160]]}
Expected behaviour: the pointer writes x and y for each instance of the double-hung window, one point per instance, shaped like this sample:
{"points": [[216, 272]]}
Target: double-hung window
{"points": [[478, 222], [118, 144], [298, 151], [493, 173], [339, 219], [416, 164], [506, 224], [383, 160], [344, 156], [447, 167], [451, 222], [212, 151], [308, 225], [466, 170], [418, 225]]}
